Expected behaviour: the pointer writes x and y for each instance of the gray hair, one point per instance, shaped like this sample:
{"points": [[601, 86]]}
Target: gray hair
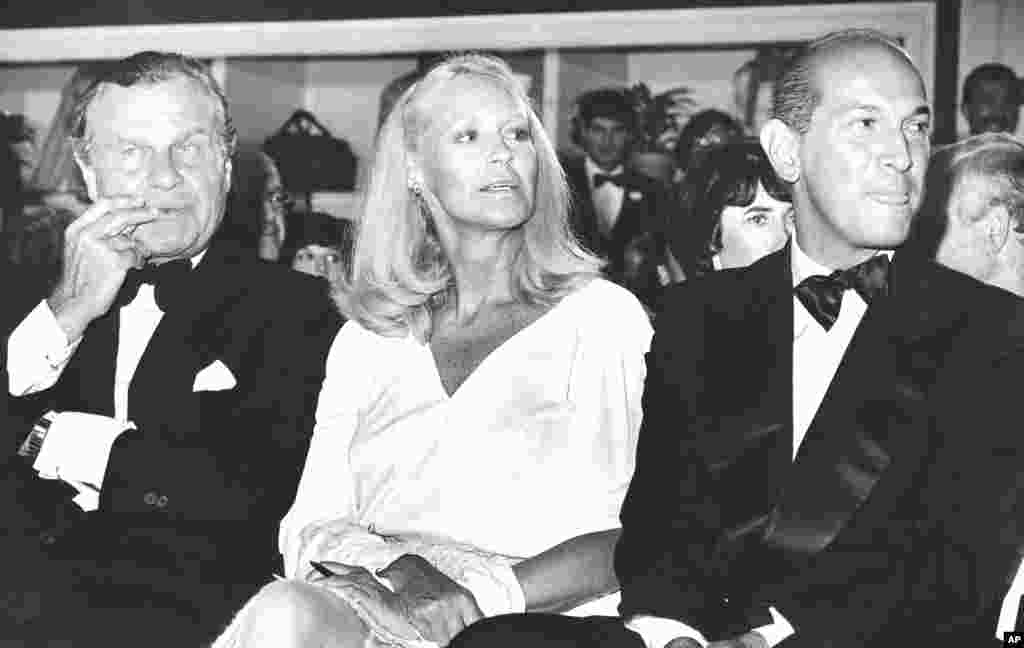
{"points": [[996, 158], [148, 68]]}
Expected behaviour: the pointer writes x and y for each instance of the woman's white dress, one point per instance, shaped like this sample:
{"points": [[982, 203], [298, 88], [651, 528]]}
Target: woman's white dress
{"points": [[535, 447]]}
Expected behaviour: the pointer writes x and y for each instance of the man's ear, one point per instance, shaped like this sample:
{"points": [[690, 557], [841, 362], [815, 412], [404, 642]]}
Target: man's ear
{"points": [[782, 145], [997, 227], [89, 175]]}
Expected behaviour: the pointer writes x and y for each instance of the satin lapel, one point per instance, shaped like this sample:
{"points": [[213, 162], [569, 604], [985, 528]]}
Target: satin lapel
{"points": [[872, 414], [187, 340], [745, 411]]}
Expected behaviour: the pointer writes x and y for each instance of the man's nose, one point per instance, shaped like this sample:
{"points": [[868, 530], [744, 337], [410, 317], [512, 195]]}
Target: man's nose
{"points": [[163, 172], [896, 152]]}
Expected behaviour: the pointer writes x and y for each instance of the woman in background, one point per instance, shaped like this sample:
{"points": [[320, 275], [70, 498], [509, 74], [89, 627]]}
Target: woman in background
{"points": [[319, 244], [735, 211], [56, 177], [477, 427]]}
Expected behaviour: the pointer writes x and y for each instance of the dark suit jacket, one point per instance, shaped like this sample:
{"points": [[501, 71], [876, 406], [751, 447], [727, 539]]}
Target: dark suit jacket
{"points": [[645, 207], [901, 516], [191, 501]]}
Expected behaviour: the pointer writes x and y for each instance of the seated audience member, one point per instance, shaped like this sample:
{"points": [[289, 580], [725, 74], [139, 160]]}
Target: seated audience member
{"points": [[56, 178], [257, 213], [475, 432], [319, 244], [977, 184], [15, 132], [981, 181], [172, 382], [836, 487], [36, 245], [705, 131], [735, 211], [612, 204], [991, 99]]}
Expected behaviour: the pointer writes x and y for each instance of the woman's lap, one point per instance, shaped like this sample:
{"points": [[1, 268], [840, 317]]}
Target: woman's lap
{"points": [[547, 631]]}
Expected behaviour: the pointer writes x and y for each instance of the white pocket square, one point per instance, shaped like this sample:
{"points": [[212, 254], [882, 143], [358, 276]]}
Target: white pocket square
{"points": [[214, 377]]}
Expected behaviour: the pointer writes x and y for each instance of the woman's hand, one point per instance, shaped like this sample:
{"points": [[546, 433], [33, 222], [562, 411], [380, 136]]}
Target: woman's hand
{"points": [[438, 606]]}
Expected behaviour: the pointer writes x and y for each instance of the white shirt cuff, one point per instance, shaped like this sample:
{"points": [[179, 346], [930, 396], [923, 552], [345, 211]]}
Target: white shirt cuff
{"points": [[76, 450], [37, 352], [1008, 611], [778, 630], [496, 590], [658, 631]]}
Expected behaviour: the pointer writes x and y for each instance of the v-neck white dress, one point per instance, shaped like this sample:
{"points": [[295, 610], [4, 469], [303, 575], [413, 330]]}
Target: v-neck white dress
{"points": [[535, 447]]}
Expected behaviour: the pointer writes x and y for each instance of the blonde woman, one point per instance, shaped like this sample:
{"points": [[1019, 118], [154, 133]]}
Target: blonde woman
{"points": [[476, 431]]}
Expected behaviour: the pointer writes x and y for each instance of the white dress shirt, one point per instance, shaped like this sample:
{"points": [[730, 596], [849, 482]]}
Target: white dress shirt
{"points": [[816, 357], [607, 198], [37, 353]]}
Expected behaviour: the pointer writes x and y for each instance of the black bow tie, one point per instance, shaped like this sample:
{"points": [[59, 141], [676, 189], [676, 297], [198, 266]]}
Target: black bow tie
{"points": [[823, 296], [168, 280], [601, 178]]}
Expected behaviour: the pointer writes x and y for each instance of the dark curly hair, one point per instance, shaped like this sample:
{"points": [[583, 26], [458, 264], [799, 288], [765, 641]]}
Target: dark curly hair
{"points": [[728, 177]]}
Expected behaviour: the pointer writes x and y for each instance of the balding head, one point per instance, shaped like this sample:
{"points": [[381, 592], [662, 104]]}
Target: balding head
{"points": [[799, 90]]}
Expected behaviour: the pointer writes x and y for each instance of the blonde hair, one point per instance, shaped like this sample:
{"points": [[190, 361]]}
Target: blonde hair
{"points": [[400, 274]]}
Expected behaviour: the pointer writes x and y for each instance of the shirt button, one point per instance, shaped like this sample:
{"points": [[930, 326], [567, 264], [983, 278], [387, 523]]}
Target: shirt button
{"points": [[47, 538], [150, 498], [161, 502]]}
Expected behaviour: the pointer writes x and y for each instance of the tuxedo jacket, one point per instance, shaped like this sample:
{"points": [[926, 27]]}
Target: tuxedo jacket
{"points": [[645, 207], [901, 515], [192, 498]]}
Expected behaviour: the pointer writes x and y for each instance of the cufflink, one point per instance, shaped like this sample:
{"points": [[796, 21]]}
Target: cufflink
{"points": [[33, 443]]}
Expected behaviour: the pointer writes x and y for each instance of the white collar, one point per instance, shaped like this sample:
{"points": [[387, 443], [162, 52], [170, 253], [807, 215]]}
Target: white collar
{"points": [[804, 266], [592, 169]]}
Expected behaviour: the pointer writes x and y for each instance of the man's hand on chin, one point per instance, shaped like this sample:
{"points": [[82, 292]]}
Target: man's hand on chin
{"points": [[98, 251]]}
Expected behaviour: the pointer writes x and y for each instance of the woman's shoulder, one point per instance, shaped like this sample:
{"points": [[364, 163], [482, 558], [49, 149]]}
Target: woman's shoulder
{"points": [[356, 341], [603, 305]]}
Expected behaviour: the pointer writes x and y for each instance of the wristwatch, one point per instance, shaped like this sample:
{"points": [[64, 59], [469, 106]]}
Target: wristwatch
{"points": [[33, 443]]}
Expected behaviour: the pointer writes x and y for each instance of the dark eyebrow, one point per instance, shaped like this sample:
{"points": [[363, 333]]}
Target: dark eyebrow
{"points": [[759, 209]]}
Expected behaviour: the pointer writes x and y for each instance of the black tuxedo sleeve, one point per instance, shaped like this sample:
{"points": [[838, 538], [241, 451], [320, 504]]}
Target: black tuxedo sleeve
{"points": [[240, 463], [664, 557], [974, 535]]}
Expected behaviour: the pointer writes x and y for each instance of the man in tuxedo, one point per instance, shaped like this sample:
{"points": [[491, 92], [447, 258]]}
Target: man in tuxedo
{"points": [[613, 205], [822, 460], [978, 184], [169, 382], [980, 187]]}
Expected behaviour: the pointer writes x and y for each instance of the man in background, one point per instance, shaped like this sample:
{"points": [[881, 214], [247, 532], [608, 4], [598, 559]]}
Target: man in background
{"points": [[612, 204], [991, 99]]}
